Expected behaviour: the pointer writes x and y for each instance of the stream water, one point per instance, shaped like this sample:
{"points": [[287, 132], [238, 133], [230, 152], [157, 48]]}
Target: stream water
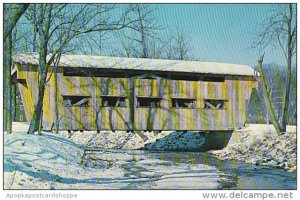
{"points": [[238, 175], [245, 176]]}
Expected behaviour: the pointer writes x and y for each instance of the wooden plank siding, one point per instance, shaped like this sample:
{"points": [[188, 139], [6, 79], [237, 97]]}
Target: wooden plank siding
{"points": [[236, 90]]}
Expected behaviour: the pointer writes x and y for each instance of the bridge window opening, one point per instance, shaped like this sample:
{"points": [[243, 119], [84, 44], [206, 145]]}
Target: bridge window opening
{"points": [[151, 102], [214, 104], [183, 102], [80, 101], [113, 101]]}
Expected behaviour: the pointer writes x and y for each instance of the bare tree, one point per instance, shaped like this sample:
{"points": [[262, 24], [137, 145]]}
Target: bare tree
{"points": [[145, 39], [176, 46], [95, 42], [181, 45], [281, 29], [169, 47], [32, 18], [156, 50], [57, 26], [13, 12], [143, 29]]}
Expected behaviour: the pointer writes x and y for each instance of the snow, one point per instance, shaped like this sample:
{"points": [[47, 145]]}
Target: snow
{"points": [[164, 140], [259, 144], [178, 141], [51, 161], [150, 140], [121, 63], [20, 127]]}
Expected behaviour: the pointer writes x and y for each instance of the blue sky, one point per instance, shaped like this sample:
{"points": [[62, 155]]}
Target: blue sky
{"points": [[221, 32], [217, 32]]}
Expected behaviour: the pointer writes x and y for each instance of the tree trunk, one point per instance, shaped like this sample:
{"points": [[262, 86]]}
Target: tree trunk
{"points": [[10, 23], [43, 70], [267, 98], [14, 101], [34, 28], [41, 124], [7, 84], [285, 108], [143, 37], [43, 33], [36, 117], [56, 101]]}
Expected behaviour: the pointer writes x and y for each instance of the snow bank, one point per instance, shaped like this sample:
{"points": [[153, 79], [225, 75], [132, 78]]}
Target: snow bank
{"points": [[150, 140], [47, 162], [259, 145]]}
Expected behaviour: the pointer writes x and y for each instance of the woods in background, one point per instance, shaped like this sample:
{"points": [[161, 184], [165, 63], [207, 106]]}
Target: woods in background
{"points": [[280, 30], [276, 78]]}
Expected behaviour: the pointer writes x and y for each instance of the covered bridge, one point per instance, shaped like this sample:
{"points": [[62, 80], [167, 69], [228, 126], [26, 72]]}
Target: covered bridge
{"points": [[114, 93]]}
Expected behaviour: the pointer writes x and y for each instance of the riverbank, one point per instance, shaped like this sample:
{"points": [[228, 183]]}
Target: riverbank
{"points": [[138, 140], [51, 161], [258, 144], [255, 144]]}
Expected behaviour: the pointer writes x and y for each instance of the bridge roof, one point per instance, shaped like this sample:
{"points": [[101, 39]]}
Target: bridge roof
{"points": [[122, 63]]}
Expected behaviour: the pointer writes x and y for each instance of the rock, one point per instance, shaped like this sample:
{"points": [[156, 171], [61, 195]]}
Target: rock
{"points": [[272, 163], [281, 159], [267, 160], [257, 163], [280, 165], [253, 161], [292, 169]]}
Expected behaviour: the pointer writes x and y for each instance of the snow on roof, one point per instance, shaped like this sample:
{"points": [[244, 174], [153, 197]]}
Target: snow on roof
{"points": [[120, 63]]}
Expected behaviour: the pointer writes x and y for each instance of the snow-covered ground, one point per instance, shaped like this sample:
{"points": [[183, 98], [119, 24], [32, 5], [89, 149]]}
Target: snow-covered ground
{"points": [[151, 140], [51, 161], [258, 144]]}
